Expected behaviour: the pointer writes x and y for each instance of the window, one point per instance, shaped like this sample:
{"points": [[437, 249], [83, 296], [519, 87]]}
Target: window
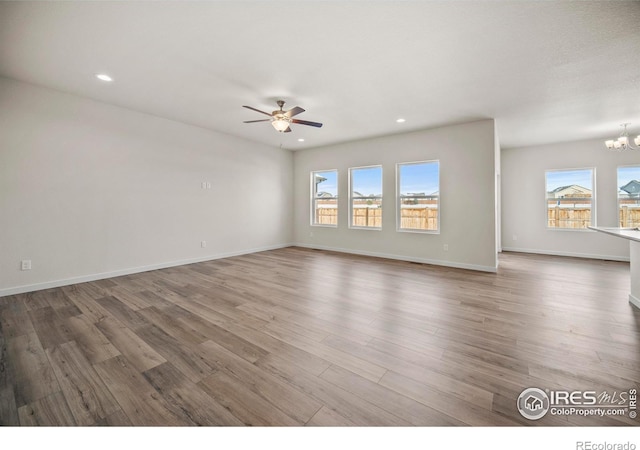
{"points": [[324, 198], [365, 196], [570, 198], [629, 196], [418, 196]]}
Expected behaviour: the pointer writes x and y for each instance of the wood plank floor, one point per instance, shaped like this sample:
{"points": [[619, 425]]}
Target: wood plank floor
{"points": [[302, 337]]}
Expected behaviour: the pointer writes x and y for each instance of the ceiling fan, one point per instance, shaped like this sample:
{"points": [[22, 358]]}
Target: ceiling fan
{"points": [[282, 119]]}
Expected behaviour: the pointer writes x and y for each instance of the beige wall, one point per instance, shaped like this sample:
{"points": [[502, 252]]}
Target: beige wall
{"points": [[89, 190], [467, 154]]}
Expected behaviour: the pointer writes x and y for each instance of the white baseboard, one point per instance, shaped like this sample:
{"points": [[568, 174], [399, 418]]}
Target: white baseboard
{"points": [[129, 271], [635, 301], [435, 262], [570, 254]]}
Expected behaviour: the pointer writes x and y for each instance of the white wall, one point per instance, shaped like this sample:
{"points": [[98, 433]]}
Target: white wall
{"points": [[89, 190], [498, 201], [523, 199], [467, 195]]}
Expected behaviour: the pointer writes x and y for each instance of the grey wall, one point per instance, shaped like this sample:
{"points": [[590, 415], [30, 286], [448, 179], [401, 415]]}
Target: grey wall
{"points": [[467, 154], [523, 199], [89, 190]]}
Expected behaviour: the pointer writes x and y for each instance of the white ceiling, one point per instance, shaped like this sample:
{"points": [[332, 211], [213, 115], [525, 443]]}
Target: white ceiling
{"points": [[547, 71]]}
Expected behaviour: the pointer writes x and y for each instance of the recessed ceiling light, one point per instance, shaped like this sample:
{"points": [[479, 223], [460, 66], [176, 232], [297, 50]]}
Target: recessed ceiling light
{"points": [[400, 120], [103, 77], [300, 140]]}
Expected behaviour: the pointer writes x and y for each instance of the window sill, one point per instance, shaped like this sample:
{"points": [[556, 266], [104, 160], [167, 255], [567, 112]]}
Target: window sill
{"points": [[581, 230], [409, 230]]}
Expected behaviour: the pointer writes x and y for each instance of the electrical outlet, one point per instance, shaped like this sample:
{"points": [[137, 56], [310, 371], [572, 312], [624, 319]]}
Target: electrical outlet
{"points": [[25, 264], [208, 185], [515, 238], [203, 244], [446, 247], [204, 185]]}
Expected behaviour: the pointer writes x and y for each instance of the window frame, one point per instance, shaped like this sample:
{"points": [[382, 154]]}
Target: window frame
{"points": [[352, 198], [618, 191], [314, 199], [593, 200], [399, 228]]}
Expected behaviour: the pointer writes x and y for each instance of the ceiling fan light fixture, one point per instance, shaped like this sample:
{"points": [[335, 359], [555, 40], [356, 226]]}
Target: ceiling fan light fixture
{"points": [[280, 124], [281, 120]]}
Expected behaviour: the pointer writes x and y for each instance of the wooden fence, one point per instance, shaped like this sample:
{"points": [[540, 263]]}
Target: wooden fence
{"points": [[578, 217], [367, 217], [427, 218], [410, 218], [419, 218], [326, 216], [629, 217]]}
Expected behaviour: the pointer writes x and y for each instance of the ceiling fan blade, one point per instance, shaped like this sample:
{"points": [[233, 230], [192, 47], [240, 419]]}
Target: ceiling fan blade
{"points": [[256, 110], [254, 121], [288, 130], [306, 122], [294, 112]]}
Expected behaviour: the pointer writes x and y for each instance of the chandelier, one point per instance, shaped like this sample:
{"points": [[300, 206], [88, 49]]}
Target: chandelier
{"points": [[622, 143]]}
